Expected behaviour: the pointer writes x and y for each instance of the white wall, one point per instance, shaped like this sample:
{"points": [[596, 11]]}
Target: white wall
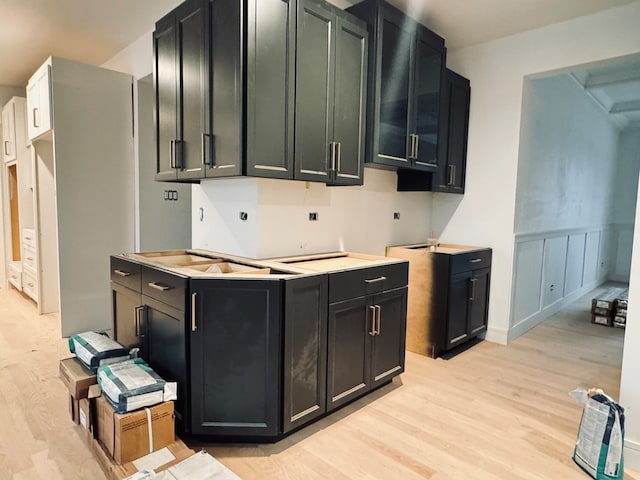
{"points": [[349, 218], [567, 160]]}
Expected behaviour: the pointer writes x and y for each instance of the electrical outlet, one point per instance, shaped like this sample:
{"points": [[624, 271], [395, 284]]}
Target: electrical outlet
{"points": [[396, 215], [313, 216]]}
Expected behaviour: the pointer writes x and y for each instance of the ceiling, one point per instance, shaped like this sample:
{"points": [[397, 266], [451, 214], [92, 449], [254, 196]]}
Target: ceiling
{"points": [[92, 31]]}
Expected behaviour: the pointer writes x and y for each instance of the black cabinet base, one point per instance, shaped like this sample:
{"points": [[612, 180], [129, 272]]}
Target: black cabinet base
{"points": [[193, 440]]}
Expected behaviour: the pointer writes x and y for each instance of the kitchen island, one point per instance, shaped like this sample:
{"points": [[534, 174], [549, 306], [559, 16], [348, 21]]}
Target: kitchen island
{"points": [[260, 348]]}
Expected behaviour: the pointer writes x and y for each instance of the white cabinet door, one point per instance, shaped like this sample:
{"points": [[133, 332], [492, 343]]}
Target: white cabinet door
{"points": [[39, 102], [9, 132]]}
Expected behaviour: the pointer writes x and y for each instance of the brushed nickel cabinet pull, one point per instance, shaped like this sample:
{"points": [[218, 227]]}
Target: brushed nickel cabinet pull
{"points": [[452, 174], [6, 144], [194, 327], [475, 260], [339, 155], [375, 280], [35, 118], [417, 146], [332, 155], [372, 309], [138, 310], [159, 286], [122, 273], [379, 319], [172, 163], [474, 288]]}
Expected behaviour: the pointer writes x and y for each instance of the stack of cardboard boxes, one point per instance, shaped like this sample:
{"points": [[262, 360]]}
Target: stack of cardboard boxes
{"points": [[610, 307], [137, 445]]}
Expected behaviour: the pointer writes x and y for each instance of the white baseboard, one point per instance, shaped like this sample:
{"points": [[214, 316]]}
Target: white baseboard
{"points": [[497, 335], [528, 323], [632, 454]]}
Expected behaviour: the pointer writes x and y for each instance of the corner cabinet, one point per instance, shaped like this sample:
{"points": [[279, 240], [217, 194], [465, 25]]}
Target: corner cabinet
{"points": [[448, 295], [406, 73], [454, 131], [228, 91]]}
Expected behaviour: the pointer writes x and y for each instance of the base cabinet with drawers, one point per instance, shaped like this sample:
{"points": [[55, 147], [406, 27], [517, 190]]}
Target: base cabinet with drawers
{"points": [[448, 295], [258, 355]]}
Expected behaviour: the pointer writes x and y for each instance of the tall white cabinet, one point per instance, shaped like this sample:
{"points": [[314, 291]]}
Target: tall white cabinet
{"points": [[80, 123], [17, 190]]}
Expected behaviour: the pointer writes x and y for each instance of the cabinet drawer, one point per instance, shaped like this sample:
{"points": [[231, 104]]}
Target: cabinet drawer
{"points": [[126, 273], [29, 284], [29, 258], [165, 287], [365, 281], [29, 237], [464, 262], [15, 275]]}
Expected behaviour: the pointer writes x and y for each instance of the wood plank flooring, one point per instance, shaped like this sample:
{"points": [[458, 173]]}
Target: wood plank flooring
{"points": [[492, 412]]}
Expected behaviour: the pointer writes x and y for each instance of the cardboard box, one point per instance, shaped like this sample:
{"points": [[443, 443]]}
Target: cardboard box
{"points": [[177, 451], [76, 377], [602, 320], [607, 298], [132, 435]]}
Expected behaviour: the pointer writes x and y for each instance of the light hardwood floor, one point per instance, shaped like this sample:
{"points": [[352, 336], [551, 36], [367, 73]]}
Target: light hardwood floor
{"points": [[492, 412]]}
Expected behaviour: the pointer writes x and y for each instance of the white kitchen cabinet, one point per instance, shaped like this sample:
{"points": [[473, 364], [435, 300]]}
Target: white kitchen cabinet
{"points": [[17, 195], [84, 179], [39, 102]]}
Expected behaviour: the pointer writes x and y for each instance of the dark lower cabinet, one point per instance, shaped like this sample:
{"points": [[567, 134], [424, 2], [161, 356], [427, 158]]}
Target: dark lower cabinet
{"points": [[127, 315], [468, 302], [235, 341], [304, 351], [366, 344], [448, 295]]}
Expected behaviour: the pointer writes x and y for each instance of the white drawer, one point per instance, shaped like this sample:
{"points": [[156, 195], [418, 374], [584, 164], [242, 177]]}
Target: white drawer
{"points": [[28, 270], [15, 275], [29, 285], [29, 258], [29, 237]]}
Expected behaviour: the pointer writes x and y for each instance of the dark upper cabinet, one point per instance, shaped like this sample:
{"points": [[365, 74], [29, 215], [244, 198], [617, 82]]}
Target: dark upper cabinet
{"points": [[331, 62], [243, 84], [182, 87], [406, 72], [454, 129], [454, 132]]}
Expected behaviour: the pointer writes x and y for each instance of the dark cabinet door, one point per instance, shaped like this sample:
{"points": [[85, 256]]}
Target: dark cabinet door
{"points": [[315, 63], [454, 131], [165, 349], [478, 301], [428, 79], [127, 315], [182, 84], [270, 87], [235, 352], [395, 56], [349, 106], [389, 341], [305, 350], [458, 310], [193, 150], [351, 324], [166, 90]]}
